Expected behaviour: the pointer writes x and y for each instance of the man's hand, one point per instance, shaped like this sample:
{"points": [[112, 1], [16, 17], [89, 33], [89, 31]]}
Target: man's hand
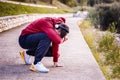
{"points": [[64, 39], [56, 64]]}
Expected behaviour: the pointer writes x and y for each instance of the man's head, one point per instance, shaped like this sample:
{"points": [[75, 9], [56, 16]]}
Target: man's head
{"points": [[63, 29]]}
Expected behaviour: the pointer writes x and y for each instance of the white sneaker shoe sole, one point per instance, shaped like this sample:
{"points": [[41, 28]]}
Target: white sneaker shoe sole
{"points": [[34, 69]]}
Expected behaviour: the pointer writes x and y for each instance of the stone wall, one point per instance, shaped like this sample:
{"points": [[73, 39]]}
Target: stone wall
{"points": [[14, 21], [9, 22]]}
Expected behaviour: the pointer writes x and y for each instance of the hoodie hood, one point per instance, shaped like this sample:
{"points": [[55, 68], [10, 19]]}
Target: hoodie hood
{"points": [[58, 20]]}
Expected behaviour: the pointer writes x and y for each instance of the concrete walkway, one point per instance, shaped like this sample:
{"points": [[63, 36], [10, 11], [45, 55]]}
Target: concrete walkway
{"points": [[76, 58]]}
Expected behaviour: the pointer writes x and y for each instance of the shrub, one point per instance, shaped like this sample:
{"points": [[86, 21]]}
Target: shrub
{"points": [[111, 53], [116, 71], [108, 1], [106, 42], [94, 17], [113, 57], [109, 15]]}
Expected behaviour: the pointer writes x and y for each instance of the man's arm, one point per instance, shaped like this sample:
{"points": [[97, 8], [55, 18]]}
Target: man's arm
{"points": [[55, 52]]}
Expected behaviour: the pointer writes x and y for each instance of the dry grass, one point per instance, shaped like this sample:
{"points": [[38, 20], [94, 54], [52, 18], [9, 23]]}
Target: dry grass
{"points": [[103, 49]]}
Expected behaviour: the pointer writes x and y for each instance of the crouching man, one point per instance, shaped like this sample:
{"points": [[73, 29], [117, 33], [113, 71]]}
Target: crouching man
{"points": [[40, 38]]}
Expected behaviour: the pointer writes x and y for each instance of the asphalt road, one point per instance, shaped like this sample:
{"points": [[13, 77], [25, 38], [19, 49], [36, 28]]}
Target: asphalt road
{"points": [[76, 58]]}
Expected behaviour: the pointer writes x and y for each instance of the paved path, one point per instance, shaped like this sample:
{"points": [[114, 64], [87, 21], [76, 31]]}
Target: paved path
{"points": [[76, 58]]}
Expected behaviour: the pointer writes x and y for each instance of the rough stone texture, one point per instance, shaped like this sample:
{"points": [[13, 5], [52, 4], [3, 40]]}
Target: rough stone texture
{"points": [[8, 22], [76, 58]]}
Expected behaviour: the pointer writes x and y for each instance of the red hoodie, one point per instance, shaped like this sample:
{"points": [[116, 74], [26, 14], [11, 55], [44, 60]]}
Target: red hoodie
{"points": [[47, 25]]}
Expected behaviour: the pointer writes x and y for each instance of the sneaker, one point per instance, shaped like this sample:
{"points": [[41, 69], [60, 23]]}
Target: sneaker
{"points": [[39, 67], [25, 57]]}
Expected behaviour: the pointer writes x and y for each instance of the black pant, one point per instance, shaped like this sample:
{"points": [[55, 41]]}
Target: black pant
{"points": [[37, 44]]}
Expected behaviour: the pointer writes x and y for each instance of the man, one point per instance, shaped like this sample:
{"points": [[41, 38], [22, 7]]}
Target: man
{"points": [[37, 38]]}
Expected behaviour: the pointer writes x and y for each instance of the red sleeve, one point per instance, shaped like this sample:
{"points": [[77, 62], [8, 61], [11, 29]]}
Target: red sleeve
{"points": [[55, 49]]}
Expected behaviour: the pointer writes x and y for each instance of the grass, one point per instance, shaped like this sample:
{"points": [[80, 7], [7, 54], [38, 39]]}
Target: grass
{"points": [[7, 9], [105, 43], [105, 51], [86, 30]]}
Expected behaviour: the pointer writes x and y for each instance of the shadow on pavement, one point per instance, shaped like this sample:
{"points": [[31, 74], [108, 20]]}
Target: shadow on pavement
{"points": [[14, 69]]}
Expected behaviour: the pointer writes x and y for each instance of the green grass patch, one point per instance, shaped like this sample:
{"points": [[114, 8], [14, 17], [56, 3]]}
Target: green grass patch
{"points": [[7, 9]]}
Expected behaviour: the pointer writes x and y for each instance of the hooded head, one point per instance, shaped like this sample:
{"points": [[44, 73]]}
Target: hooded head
{"points": [[64, 29]]}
